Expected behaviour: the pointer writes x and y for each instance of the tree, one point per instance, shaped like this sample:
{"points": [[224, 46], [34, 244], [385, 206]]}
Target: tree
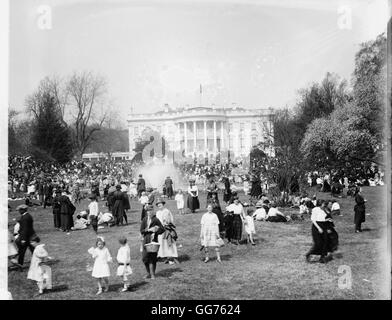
{"points": [[13, 142], [86, 92], [369, 82], [352, 135], [51, 138], [55, 87], [320, 100]]}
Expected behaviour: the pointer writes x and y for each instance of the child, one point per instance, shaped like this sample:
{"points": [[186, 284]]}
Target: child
{"points": [[93, 212], [80, 223], [335, 209], [180, 201], [101, 270], [144, 198], [250, 226], [303, 209], [124, 260], [209, 233], [39, 271]]}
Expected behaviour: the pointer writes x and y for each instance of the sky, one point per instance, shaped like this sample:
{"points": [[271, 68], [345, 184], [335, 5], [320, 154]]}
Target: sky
{"points": [[256, 54]]}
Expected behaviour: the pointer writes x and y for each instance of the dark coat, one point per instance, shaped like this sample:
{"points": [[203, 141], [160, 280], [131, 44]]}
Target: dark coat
{"points": [[141, 185], [26, 230], [147, 234], [66, 206], [359, 209], [118, 202], [227, 192]]}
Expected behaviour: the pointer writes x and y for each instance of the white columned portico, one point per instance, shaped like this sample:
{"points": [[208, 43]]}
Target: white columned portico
{"points": [[178, 136], [194, 136], [205, 136], [215, 148], [222, 145], [185, 138]]}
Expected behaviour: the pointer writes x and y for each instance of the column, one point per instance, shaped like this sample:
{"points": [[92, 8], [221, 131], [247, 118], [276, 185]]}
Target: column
{"points": [[222, 145], [194, 136], [185, 138], [215, 148], [178, 137], [205, 137]]}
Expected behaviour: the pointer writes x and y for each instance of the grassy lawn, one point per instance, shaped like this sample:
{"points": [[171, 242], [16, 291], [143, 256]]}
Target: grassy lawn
{"points": [[273, 269]]}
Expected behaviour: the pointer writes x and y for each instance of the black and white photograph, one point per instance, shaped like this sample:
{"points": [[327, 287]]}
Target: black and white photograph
{"points": [[196, 150]]}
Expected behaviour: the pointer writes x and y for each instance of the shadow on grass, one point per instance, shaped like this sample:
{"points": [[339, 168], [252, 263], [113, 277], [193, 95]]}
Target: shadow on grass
{"points": [[137, 285], [59, 288], [167, 272], [183, 257], [226, 257], [337, 255]]}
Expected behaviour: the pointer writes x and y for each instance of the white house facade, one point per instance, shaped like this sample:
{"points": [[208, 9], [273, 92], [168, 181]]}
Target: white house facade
{"points": [[206, 131]]}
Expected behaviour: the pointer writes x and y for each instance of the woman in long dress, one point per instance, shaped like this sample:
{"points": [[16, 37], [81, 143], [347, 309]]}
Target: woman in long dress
{"points": [[212, 189], [150, 228], [227, 191], [167, 240], [216, 208], [319, 233], [119, 203], [359, 210], [193, 197], [237, 210]]}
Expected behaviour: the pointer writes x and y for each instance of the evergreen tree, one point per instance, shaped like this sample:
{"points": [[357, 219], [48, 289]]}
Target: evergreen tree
{"points": [[51, 138]]}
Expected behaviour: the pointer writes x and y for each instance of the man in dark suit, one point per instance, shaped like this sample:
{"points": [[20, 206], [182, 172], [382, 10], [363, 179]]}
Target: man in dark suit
{"points": [[141, 186], [26, 233], [67, 209]]}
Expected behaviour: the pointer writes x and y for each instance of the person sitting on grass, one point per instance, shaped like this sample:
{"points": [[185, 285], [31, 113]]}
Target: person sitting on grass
{"points": [[260, 214], [106, 218], [335, 208], [274, 215], [80, 223]]}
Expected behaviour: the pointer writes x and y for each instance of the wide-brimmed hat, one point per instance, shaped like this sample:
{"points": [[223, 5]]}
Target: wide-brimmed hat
{"points": [[118, 187], [160, 200], [58, 190], [259, 204], [92, 196], [22, 207]]}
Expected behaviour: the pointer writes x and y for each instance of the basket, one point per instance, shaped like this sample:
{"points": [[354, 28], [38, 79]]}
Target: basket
{"points": [[152, 247]]}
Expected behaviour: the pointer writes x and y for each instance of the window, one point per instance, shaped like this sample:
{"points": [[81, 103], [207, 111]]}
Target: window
{"points": [[242, 126], [136, 131], [253, 126], [242, 145], [230, 127], [254, 141], [230, 142]]}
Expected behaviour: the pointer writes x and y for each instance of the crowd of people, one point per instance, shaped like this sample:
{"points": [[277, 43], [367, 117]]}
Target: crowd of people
{"points": [[61, 187]]}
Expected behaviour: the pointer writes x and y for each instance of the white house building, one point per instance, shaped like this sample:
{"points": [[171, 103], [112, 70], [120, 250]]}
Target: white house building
{"points": [[206, 131]]}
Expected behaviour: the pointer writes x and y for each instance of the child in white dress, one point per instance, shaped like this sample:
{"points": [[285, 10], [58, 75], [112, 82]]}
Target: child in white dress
{"points": [[250, 226], [180, 201], [38, 271], [209, 233], [124, 263], [101, 269]]}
